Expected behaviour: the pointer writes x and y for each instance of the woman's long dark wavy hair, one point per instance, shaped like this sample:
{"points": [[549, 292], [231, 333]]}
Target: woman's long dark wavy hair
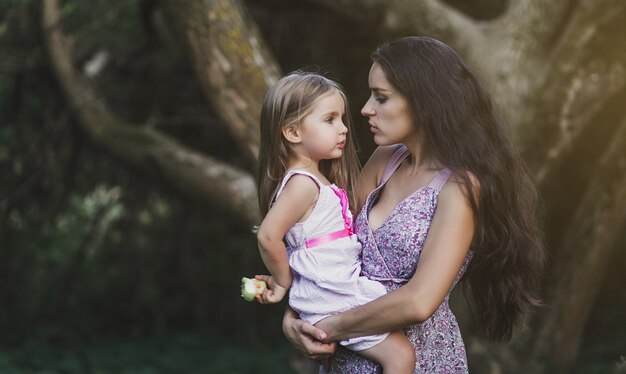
{"points": [[458, 125]]}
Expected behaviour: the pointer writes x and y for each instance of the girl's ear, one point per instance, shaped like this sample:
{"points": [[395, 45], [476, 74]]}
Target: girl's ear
{"points": [[292, 134]]}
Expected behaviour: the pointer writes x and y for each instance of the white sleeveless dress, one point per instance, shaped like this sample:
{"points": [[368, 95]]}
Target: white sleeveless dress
{"points": [[326, 273]]}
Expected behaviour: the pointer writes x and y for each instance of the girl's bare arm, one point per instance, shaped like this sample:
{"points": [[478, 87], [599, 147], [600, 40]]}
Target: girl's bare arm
{"points": [[297, 198]]}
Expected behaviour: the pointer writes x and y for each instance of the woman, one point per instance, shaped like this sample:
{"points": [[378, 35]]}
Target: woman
{"points": [[445, 194]]}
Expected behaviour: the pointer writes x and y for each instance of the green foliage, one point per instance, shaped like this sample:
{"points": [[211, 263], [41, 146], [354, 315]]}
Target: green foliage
{"points": [[100, 23]]}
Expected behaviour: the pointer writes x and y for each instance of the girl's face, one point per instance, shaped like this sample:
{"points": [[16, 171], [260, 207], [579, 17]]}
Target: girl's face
{"points": [[322, 132], [388, 111]]}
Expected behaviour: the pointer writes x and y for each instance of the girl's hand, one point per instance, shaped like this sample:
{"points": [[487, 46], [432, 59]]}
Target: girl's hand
{"points": [[307, 338], [274, 292]]}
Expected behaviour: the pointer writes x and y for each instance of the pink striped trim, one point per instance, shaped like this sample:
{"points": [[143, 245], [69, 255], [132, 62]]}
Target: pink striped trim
{"points": [[328, 237]]}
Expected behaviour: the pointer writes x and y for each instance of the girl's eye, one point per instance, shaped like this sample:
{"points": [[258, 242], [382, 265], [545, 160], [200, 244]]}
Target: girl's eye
{"points": [[329, 120]]}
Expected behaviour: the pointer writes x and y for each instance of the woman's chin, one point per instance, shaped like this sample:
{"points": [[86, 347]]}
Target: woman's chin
{"points": [[380, 141]]}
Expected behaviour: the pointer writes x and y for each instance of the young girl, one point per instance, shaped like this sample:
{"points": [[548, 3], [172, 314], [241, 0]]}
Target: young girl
{"points": [[306, 160]]}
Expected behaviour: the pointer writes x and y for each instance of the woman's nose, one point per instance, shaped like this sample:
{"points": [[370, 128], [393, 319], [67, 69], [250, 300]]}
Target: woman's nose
{"points": [[367, 109]]}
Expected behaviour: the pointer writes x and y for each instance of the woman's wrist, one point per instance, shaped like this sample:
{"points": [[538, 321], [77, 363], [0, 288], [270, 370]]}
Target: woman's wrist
{"points": [[288, 318], [330, 326]]}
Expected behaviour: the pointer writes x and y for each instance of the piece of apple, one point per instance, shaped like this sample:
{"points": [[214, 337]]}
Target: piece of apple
{"points": [[251, 287]]}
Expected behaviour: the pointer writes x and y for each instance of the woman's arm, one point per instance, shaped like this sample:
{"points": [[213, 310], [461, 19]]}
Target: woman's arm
{"points": [[305, 337], [445, 249], [293, 204]]}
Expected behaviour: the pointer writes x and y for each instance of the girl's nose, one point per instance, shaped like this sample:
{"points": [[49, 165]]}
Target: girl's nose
{"points": [[343, 128]]}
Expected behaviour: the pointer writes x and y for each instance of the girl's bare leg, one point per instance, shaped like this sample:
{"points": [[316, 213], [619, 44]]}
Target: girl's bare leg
{"points": [[395, 354]]}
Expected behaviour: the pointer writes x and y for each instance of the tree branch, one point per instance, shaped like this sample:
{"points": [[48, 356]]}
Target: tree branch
{"points": [[535, 22], [584, 72], [202, 177], [231, 60], [426, 17]]}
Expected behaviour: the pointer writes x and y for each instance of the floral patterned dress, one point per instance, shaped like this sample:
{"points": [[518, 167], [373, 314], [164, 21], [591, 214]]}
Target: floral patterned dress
{"points": [[390, 255]]}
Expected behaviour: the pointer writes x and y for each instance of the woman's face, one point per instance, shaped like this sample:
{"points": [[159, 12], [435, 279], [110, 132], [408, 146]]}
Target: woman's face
{"points": [[388, 111]]}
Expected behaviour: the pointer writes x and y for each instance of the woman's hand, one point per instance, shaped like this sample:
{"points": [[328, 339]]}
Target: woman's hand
{"points": [[306, 338], [327, 325]]}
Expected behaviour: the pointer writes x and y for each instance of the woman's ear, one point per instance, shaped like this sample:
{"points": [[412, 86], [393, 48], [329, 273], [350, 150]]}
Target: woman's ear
{"points": [[292, 134]]}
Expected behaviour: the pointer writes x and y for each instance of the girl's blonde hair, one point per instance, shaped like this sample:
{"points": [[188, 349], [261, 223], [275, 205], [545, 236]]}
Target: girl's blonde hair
{"points": [[286, 104]]}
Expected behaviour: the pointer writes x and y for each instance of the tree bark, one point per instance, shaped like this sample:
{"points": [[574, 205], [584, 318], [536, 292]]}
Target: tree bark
{"points": [[586, 69], [201, 177], [231, 61]]}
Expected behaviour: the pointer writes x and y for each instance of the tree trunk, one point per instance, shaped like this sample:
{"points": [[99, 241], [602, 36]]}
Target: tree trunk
{"points": [[231, 60], [587, 249]]}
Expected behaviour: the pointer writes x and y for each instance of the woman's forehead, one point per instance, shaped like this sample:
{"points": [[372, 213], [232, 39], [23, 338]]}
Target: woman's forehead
{"points": [[377, 79]]}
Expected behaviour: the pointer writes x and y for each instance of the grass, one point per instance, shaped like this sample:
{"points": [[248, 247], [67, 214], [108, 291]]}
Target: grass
{"points": [[184, 353]]}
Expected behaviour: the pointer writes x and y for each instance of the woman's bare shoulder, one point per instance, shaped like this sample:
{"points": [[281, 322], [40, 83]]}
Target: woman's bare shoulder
{"points": [[456, 184]]}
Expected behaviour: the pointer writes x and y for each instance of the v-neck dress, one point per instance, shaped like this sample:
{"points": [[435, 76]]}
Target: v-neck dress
{"points": [[390, 255]]}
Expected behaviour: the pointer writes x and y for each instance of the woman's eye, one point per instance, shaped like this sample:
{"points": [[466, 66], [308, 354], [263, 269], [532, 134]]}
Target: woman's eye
{"points": [[381, 100]]}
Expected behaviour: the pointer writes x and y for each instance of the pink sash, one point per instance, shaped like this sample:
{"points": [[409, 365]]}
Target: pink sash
{"points": [[347, 221]]}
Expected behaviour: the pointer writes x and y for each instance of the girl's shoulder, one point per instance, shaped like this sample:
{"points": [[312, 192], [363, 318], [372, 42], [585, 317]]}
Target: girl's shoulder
{"points": [[302, 175], [300, 180], [317, 178]]}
